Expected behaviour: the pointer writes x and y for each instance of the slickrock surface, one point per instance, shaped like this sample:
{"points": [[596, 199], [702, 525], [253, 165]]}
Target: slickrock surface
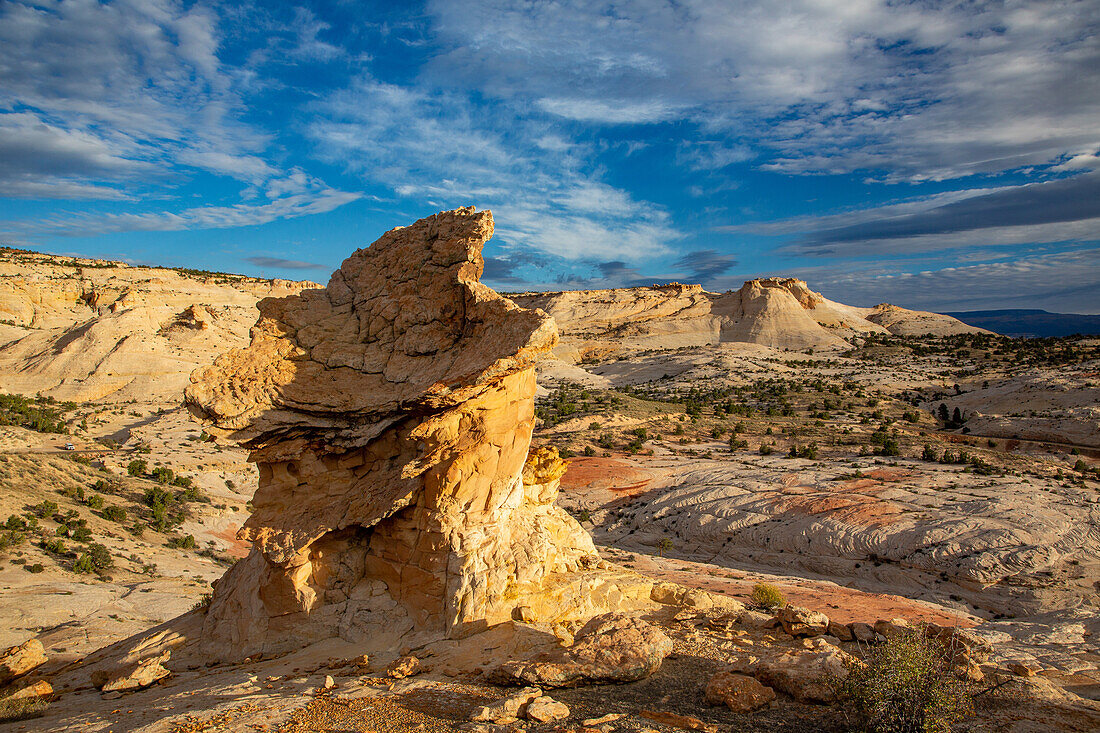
{"points": [[782, 313], [390, 415], [1008, 546]]}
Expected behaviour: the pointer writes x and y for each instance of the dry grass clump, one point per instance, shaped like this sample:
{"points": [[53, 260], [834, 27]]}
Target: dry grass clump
{"points": [[22, 709], [768, 596]]}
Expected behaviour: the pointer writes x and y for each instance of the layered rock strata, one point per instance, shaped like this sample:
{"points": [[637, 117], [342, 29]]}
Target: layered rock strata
{"points": [[390, 415]]}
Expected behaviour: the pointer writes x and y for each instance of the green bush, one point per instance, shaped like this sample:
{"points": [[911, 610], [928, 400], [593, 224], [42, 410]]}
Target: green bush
{"points": [[137, 467], [163, 475], [114, 513], [100, 556], [768, 596], [36, 568], [929, 454], [84, 565], [46, 509], [187, 542], [905, 685]]}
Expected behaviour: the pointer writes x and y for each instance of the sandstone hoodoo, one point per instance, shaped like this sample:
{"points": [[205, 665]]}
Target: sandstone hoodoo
{"points": [[390, 415]]}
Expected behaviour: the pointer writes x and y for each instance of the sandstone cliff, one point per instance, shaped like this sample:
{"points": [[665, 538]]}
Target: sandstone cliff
{"points": [[390, 415], [782, 313], [79, 329]]}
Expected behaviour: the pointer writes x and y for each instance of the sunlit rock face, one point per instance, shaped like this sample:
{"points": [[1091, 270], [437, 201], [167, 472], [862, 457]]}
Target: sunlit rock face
{"points": [[390, 415]]}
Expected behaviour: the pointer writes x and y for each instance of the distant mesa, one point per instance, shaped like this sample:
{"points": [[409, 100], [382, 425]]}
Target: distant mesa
{"points": [[1032, 323]]}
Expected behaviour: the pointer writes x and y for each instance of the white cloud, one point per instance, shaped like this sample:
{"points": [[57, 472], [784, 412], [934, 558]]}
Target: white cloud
{"points": [[1058, 281], [438, 147], [201, 217], [911, 91]]}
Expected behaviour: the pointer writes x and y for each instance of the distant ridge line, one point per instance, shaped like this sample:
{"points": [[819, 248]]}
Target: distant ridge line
{"points": [[1031, 322]]}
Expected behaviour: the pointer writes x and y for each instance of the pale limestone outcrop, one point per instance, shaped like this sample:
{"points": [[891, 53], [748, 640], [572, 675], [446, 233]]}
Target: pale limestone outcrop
{"points": [[390, 415]]}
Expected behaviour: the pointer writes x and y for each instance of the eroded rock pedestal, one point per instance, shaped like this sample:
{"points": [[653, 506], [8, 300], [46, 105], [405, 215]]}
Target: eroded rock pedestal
{"points": [[390, 415]]}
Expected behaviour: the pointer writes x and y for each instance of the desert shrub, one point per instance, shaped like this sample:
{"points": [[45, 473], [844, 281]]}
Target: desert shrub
{"points": [[137, 467], [100, 556], [24, 709], [163, 475], [889, 448], [594, 426], [929, 454], [36, 568], [768, 596], [54, 547], [766, 449], [589, 450], [1080, 466], [114, 513], [46, 509], [183, 481], [187, 542], [803, 451], [203, 602], [15, 523], [905, 685], [84, 565], [95, 501]]}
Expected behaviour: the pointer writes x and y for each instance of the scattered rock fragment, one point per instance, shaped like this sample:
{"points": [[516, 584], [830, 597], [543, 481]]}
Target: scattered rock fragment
{"points": [[1023, 669], [507, 709], [799, 621], [686, 722], [403, 667], [18, 660], [739, 692], [609, 648]]}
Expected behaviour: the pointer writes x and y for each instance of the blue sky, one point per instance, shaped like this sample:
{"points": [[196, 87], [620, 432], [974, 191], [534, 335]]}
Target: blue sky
{"points": [[934, 155]]}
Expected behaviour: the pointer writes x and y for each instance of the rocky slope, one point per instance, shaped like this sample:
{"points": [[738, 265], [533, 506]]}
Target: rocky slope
{"points": [[782, 313], [79, 329]]}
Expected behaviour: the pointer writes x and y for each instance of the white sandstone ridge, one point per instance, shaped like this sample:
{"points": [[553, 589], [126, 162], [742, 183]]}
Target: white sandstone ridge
{"points": [[782, 313], [82, 329]]}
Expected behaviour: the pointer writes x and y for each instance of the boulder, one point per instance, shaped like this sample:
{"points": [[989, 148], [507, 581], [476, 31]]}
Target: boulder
{"points": [[609, 648], [799, 621], [37, 690], [740, 693], [546, 710], [864, 633], [841, 631], [804, 673], [136, 677], [757, 620], [18, 660]]}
